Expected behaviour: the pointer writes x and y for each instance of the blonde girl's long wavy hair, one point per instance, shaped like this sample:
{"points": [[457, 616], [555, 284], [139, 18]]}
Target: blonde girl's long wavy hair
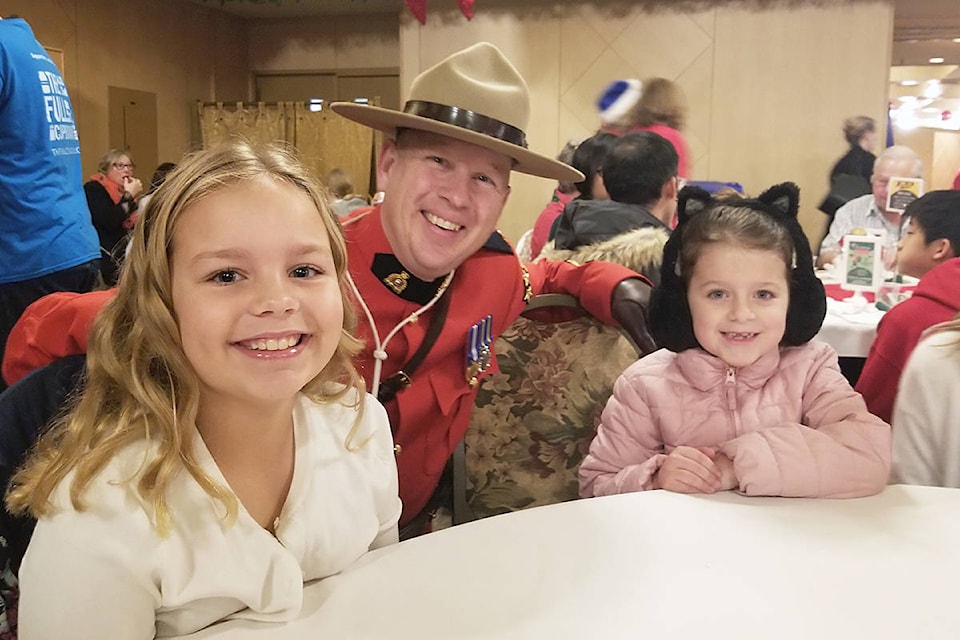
{"points": [[139, 384]]}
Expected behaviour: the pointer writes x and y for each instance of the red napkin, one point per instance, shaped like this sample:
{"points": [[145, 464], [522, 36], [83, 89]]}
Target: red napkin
{"points": [[834, 291]]}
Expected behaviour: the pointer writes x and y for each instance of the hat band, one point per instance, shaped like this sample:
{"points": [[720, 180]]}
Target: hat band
{"points": [[466, 119]]}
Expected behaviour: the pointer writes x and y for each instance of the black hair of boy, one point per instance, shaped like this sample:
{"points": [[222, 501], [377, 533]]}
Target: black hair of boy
{"points": [[637, 167], [937, 215]]}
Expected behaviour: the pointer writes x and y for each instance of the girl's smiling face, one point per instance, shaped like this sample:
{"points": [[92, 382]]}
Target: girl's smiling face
{"points": [[255, 291], [738, 301]]}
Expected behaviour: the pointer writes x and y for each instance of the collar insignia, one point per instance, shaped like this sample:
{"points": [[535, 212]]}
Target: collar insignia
{"points": [[401, 282], [397, 281]]}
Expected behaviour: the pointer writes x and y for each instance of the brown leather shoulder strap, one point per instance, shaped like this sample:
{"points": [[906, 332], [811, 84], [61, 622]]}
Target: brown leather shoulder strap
{"points": [[399, 381]]}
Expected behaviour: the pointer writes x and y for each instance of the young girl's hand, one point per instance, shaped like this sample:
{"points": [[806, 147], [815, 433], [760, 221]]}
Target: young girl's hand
{"points": [[689, 470], [728, 477]]}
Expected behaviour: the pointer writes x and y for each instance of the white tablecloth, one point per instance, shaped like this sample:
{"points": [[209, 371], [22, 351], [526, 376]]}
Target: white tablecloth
{"points": [[849, 328], [656, 565]]}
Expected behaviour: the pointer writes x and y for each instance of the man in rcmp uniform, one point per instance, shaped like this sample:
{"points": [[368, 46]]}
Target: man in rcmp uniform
{"points": [[434, 281]]}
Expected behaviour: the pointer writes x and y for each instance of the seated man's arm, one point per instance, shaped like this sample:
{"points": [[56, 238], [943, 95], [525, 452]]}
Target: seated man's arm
{"points": [[613, 294], [830, 246]]}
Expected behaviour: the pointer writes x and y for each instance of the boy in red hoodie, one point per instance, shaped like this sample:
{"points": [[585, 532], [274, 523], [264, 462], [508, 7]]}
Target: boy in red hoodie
{"points": [[928, 250]]}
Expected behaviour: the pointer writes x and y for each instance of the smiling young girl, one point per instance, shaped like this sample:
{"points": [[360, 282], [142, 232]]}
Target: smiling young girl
{"points": [[741, 398], [223, 450]]}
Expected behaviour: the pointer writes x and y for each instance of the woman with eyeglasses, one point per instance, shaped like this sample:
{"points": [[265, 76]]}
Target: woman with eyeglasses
{"points": [[112, 198]]}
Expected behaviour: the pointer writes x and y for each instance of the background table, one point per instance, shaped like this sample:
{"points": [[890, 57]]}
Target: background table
{"points": [[658, 565], [850, 331]]}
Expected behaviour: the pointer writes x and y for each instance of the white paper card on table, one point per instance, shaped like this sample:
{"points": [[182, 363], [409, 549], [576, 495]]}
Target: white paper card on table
{"points": [[903, 191], [862, 261]]}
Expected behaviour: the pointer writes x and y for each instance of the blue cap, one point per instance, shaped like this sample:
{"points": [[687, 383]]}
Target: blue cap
{"points": [[618, 98]]}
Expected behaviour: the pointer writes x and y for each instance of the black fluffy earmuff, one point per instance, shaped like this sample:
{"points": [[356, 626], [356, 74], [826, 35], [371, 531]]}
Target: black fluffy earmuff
{"points": [[670, 321]]}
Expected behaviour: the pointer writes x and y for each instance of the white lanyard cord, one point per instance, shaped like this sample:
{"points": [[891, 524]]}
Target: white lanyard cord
{"points": [[379, 351]]}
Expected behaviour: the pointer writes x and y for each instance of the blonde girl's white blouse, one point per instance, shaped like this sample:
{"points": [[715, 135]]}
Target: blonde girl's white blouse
{"points": [[106, 573]]}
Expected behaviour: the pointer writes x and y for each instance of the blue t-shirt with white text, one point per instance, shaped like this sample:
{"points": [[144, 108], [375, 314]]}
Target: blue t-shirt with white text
{"points": [[45, 224]]}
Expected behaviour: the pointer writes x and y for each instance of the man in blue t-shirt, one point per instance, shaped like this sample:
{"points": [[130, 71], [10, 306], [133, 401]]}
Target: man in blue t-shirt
{"points": [[47, 239]]}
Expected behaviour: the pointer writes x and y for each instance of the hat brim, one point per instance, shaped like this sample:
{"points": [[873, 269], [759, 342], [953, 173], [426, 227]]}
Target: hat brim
{"points": [[389, 120]]}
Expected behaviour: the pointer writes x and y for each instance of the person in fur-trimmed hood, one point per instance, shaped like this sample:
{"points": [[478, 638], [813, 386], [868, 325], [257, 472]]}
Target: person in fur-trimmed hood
{"points": [[640, 174], [638, 249]]}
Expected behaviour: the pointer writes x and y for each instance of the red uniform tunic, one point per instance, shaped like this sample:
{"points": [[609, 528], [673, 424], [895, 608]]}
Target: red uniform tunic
{"points": [[431, 416]]}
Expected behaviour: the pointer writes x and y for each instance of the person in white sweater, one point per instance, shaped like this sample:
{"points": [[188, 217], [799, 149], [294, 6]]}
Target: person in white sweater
{"points": [[223, 450], [926, 440]]}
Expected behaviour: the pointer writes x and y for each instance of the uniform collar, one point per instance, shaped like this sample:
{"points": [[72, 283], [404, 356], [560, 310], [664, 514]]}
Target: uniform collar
{"points": [[395, 277]]}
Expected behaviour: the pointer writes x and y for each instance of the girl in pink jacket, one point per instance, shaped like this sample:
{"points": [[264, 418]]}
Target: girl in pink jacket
{"points": [[740, 398]]}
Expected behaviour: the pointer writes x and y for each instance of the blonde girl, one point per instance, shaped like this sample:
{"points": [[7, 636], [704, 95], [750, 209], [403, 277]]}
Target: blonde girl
{"points": [[222, 451]]}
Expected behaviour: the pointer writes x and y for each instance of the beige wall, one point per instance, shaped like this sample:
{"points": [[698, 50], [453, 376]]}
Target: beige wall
{"points": [[324, 43], [178, 50], [946, 159], [940, 151], [183, 53], [768, 89]]}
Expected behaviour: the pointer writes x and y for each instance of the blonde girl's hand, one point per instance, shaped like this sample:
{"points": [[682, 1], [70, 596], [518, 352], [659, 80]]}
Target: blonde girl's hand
{"points": [[688, 470]]}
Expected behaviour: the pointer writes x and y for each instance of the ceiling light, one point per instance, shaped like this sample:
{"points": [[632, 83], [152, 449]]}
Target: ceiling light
{"points": [[956, 39], [936, 60], [907, 121], [909, 83], [933, 89]]}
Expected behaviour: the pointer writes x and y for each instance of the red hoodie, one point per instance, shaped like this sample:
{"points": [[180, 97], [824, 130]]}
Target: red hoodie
{"points": [[55, 326], [936, 299]]}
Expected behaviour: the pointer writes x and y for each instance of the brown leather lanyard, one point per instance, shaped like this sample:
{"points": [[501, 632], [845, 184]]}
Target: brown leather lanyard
{"points": [[399, 381]]}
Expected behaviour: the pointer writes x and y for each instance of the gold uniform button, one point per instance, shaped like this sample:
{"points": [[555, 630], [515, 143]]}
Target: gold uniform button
{"points": [[397, 449]]}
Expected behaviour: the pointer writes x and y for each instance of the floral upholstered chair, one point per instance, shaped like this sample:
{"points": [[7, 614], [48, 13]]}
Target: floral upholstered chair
{"points": [[533, 422]]}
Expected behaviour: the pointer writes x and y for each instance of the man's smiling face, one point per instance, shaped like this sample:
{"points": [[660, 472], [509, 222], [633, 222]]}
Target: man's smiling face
{"points": [[443, 199]]}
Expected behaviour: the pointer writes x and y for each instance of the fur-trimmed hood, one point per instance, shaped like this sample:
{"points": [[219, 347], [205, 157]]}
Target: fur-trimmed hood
{"points": [[640, 249]]}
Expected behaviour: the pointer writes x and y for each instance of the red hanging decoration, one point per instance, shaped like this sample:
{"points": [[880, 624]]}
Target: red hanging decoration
{"points": [[419, 9]]}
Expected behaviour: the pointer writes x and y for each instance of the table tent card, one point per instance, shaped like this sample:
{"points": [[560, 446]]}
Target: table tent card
{"points": [[903, 191], [862, 264]]}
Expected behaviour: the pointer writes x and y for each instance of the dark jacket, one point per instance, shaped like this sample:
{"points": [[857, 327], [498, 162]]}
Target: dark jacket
{"points": [[25, 410], [586, 222], [108, 218], [849, 179], [857, 162]]}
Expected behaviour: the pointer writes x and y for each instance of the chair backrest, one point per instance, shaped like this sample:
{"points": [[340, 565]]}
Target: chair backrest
{"points": [[533, 422]]}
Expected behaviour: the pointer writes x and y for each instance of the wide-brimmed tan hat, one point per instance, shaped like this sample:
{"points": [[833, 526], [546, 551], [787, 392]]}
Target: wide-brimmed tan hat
{"points": [[476, 96]]}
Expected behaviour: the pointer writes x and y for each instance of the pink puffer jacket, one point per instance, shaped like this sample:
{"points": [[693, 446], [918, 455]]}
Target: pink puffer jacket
{"points": [[790, 422]]}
